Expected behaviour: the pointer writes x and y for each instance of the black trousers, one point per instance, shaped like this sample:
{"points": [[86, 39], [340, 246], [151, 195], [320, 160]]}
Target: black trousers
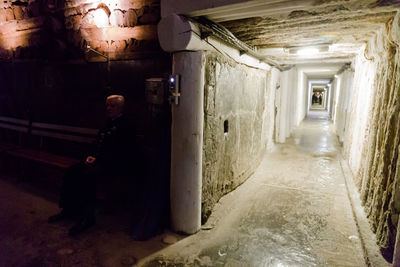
{"points": [[78, 192]]}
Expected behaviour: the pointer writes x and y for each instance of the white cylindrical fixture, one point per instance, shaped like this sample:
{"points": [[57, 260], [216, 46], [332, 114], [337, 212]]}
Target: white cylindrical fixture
{"points": [[187, 143], [176, 33]]}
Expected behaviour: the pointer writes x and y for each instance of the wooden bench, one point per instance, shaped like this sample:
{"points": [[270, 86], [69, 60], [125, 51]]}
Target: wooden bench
{"points": [[43, 131], [64, 132], [16, 125], [49, 167], [42, 157]]}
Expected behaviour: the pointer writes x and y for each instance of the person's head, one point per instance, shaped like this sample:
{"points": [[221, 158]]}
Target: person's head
{"points": [[114, 106]]}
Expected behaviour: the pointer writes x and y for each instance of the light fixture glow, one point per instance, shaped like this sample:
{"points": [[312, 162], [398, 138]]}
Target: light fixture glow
{"points": [[100, 18], [308, 51]]}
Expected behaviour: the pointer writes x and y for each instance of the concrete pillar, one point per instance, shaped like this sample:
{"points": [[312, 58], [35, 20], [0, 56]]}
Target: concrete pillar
{"points": [[187, 143]]}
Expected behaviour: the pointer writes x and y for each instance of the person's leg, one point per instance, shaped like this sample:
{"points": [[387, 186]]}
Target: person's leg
{"points": [[71, 191], [69, 196], [87, 196]]}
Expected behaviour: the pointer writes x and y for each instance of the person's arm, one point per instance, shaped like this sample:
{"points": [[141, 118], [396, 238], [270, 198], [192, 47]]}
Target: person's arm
{"points": [[95, 147]]}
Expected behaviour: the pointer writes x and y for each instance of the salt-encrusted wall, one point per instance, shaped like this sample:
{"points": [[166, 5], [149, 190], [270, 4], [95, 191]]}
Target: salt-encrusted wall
{"points": [[358, 109], [371, 133], [290, 104], [68, 28], [238, 124], [302, 93], [380, 174], [343, 98]]}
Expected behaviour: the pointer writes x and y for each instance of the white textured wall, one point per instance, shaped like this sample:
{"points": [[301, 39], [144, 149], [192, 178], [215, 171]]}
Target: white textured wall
{"points": [[367, 120], [281, 107], [335, 97], [344, 97], [271, 110], [243, 98], [302, 93], [362, 89], [353, 102], [289, 103]]}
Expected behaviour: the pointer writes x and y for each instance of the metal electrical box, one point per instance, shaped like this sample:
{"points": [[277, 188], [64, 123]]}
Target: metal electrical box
{"points": [[156, 91]]}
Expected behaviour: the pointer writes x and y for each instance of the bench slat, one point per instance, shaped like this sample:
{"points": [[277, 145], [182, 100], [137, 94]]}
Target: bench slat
{"points": [[65, 128], [14, 120], [64, 132], [82, 139], [23, 129], [43, 157]]}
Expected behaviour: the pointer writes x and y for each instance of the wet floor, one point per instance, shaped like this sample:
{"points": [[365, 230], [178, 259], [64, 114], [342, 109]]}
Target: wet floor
{"points": [[294, 211]]}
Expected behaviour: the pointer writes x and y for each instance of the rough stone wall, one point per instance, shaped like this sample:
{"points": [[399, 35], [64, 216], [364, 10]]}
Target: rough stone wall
{"points": [[59, 29], [238, 125], [57, 65], [52, 53], [378, 174]]}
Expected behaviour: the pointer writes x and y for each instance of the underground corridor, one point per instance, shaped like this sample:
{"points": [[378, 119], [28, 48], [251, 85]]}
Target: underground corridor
{"points": [[263, 132]]}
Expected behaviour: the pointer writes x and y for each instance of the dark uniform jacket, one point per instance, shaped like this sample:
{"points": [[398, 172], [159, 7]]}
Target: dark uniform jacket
{"points": [[114, 146]]}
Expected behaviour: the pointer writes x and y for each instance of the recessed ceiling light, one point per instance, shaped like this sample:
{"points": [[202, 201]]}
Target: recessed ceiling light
{"points": [[310, 51]]}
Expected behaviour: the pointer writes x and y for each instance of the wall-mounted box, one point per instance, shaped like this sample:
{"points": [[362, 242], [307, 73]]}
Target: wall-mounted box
{"points": [[156, 91]]}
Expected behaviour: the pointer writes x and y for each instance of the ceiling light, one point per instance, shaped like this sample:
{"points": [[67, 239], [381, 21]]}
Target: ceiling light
{"points": [[322, 70], [310, 51], [100, 18]]}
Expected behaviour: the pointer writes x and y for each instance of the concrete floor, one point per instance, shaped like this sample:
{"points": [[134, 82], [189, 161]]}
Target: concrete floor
{"points": [[294, 211]]}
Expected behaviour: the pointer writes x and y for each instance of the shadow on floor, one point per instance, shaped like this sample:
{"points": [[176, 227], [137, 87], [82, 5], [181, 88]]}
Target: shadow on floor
{"points": [[28, 240]]}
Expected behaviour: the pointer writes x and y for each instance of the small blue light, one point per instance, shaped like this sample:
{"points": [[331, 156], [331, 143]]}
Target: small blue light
{"points": [[172, 79]]}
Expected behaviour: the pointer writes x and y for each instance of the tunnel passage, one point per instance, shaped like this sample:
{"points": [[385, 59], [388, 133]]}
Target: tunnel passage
{"points": [[253, 70], [350, 48]]}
